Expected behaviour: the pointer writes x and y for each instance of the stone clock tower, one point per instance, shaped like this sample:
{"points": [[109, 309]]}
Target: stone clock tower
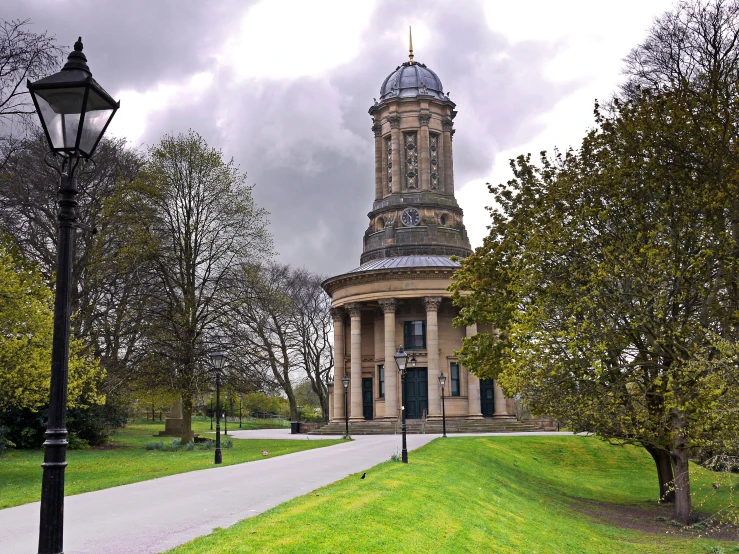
{"points": [[414, 212], [398, 295]]}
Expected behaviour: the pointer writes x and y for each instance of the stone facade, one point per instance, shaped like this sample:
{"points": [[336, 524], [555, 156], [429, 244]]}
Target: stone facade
{"points": [[399, 296]]}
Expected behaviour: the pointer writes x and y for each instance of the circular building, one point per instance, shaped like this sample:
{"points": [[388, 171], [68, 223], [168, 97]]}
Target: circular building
{"points": [[398, 294]]}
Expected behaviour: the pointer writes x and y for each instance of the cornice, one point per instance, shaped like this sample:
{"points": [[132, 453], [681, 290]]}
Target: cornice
{"points": [[332, 284], [402, 206]]}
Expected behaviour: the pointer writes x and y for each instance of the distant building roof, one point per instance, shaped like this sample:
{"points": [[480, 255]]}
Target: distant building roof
{"points": [[406, 261]]}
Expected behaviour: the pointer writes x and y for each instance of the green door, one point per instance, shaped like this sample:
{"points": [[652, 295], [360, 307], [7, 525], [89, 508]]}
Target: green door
{"points": [[367, 397], [416, 393], [487, 397]]}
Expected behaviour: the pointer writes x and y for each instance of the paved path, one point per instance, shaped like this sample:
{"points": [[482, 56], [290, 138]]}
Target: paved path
{"points": [[159, 514]]}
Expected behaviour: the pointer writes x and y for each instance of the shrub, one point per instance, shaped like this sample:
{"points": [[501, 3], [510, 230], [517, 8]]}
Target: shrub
{"points": [[228, 443], [174, 446], [5, 442], [94, 424], [206, 444], [190, 446], [76, 443], [154, 445]]}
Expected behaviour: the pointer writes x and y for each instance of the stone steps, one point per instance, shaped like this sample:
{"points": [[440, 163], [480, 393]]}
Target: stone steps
{"points": [[430, 427]]}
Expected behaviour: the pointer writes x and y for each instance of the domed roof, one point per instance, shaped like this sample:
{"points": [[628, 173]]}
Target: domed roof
{"points": [[410, 80]]}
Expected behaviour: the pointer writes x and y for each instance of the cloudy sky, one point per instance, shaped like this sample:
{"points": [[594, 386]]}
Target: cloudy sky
{"points": [[283, 87]]}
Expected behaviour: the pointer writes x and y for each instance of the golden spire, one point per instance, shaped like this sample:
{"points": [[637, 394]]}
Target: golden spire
{"points": [[410, 40]]}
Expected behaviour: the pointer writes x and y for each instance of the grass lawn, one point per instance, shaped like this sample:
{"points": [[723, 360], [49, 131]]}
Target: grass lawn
{"points": [[127, 461], [513, 495]]}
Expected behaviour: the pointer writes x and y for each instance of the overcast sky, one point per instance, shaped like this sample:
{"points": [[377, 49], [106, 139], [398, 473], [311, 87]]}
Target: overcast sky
{"points": [[283, 87]]}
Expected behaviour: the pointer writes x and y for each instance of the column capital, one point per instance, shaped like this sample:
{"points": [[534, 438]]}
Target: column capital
{"points": [[447, 125], [388, 305], [432, 303], [424, 119], [394, 121], [337, 314], [354, 309], [377, 130]]}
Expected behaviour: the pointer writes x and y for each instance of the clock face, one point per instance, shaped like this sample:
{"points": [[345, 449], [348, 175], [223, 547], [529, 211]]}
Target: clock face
{"points": [[410, 217]]}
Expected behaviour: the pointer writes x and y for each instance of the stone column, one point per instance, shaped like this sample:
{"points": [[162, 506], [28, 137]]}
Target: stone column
{"points": [[379, 174], [388, 306], [355, 394], [330, 402], [338, 316], [473, 387], [447, 146], [432, 304], [396, 145], [339, 365], [424, 159], [501, 406]]}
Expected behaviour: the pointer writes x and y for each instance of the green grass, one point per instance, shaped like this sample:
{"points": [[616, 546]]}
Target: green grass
{"points": [[512, 495], [127, 461]]}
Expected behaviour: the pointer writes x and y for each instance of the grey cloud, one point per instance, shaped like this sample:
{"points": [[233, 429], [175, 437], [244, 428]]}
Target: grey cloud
{"points": [[307, 143]]}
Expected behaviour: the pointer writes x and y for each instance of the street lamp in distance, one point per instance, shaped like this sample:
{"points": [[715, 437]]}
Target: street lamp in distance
{"points": [[345, 382], [442, 382], [217, 359], [401, 360], [74, 111]]}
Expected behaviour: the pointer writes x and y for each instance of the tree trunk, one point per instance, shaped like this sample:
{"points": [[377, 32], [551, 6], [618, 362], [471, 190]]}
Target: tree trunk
{"points": [[664, 474], [186, 435], [324, 407], [680, 461]]}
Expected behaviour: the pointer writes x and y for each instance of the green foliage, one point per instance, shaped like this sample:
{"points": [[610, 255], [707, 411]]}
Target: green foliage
{"points": [[26, 328], [264, 403], [611, 274]]}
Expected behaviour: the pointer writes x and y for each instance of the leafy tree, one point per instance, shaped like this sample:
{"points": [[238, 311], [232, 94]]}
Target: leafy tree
{"points": [[191, 222], [26, 327], [106, 300], [610, 274]]}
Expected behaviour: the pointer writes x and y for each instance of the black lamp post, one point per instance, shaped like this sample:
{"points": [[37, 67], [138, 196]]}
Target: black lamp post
{"points": [[345, 381], [442, 382], [75, 112], [218, 358], [241, 402], [401, 358]]}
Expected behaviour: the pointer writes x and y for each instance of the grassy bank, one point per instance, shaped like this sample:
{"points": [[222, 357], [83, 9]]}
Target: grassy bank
{"points": [[502, 495], [126, 460]]}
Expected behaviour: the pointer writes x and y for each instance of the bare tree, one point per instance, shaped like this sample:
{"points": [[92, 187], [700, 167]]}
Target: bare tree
{"points": [[23, 55], [312, 328], [262, 329]]}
